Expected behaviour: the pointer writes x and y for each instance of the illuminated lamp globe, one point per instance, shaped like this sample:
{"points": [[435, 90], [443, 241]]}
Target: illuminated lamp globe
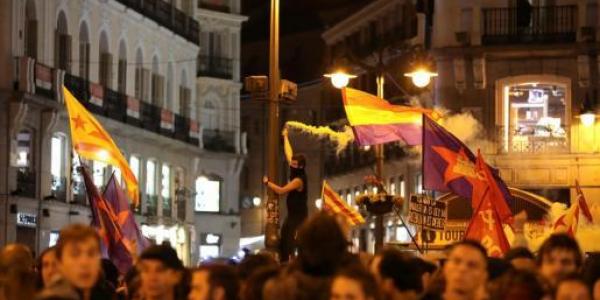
{"points": [[256, 201], [588, 119], [421, 77], [340, 79]]}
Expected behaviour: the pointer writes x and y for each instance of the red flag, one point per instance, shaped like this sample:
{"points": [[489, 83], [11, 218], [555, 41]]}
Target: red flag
{"points": [[485, 225], [582, 203]]}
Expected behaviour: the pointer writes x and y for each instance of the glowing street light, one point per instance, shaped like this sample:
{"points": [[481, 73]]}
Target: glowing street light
{"points": [[421, 77], [340, 79], [588, 118]]}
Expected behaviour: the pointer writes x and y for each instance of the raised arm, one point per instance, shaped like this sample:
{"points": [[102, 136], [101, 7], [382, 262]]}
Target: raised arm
{"points": [[295, 184], [287, 147]]}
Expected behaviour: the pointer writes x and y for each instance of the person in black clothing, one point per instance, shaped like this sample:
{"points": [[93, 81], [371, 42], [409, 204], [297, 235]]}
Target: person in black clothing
{"points": [[297, 208]]}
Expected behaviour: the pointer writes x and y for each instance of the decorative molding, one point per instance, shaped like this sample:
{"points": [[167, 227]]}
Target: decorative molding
{"points": [[18, 113], [49, 120]]}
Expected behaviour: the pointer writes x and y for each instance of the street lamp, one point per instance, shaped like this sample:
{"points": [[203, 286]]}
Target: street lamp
{"points": [[340, 79], [588, 118], [421, 77]]}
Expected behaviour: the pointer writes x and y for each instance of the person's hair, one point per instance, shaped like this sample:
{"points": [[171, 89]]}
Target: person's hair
{"points": [[518, 283], [322, 245], [424, 266], [253, 262], [472, 244], [255, 283], [518, 252], [300, 158], [75, 233], [224, 276], [591, 269], [366, 280], [563, 242], [402, 269], [496, 267], [40, 265]]}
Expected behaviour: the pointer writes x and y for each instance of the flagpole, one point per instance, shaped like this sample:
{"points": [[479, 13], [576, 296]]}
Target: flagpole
{"points": [[412, 238], [478, 208]]}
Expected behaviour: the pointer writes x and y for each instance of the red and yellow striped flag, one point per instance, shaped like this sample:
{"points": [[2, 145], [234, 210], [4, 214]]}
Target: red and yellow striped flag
{"points": [[333, 202], [91, 141]]}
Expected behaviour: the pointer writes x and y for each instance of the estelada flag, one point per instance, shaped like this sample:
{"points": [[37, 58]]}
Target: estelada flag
{"points": [[91, 141], [486, 225], [333, 202], [449, 166], [568, 222], [376, 121]]}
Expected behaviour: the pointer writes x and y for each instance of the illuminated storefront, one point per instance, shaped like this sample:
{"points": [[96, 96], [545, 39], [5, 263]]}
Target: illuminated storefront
{"points": [[177, 236]]}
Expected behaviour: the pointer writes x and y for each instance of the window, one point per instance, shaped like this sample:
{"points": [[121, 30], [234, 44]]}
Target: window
{"points": [[150, 177], [209, 115], [105, 67], [99, 173], [31, 29], [402, 188], [208, 194], [62, 45], [157, 84], [57, 166], [349, 197], [23, 159], [77, 185], [84, 51], [122, 72], [392, 187], [26, 179], [151, 198], [419, 183], [535, 117], [165, 191], [134, 164]]}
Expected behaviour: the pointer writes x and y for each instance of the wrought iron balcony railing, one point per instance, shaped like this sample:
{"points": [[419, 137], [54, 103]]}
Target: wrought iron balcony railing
{"points": [[219, 141], [546, 24], [26, 183]]}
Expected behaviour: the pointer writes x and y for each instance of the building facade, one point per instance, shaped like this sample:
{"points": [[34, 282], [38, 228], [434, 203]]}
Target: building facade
{"points": [[528, 71], [134, 65]]}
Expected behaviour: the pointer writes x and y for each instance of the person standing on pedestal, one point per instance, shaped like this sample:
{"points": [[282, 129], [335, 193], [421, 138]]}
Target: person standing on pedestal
{"points": [[297, 207]]}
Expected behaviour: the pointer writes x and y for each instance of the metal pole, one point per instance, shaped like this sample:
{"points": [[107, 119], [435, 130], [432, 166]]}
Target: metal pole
{"points": [[272, 224], [379, 230]]}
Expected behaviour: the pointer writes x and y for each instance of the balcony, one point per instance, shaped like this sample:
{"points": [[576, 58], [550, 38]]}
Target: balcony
{"points": [[210, 5], [212, 66], [541, 140], [124, 109], [219, 141], [167, 16], [549, 24]]}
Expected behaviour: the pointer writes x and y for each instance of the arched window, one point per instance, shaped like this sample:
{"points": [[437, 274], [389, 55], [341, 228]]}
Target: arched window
{"points": [[157, 83], [31, 26], [141, 77], [151, 196], [169, 103], [534, 113], [122, 72], [105, 67], [185, 96], [62, 44], [166, 191], [84, 51]]}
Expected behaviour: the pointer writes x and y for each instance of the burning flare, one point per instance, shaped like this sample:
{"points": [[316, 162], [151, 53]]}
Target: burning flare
{"points": [[342, 139]]}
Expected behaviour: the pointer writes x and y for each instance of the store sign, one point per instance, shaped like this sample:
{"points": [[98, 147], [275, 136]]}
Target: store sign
{"points": [[454, 232], [426, 212], [210, 239], [25, 219]]}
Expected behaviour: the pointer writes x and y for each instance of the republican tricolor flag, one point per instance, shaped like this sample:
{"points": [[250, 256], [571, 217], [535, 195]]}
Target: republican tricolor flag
{"points": [[332, 202], [376, 121]]}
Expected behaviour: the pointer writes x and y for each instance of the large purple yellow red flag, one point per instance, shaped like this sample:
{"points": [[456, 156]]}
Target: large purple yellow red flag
{"points": [[91, 141], [449, 166], [333, 202], [105, 221], [568, 222], [376, 121], [113, 194], [485, 225]]}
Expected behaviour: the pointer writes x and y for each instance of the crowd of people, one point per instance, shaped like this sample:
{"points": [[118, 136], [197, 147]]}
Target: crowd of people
{"points": [[323, 268]]}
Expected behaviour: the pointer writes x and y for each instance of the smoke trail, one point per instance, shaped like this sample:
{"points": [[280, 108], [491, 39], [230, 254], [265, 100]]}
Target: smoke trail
{"points": [[342, 139]]}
